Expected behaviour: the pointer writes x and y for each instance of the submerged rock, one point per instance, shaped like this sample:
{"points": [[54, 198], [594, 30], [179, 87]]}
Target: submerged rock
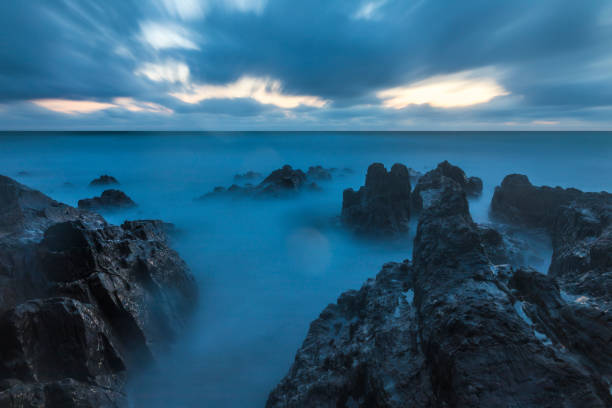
{"points": [[247, 177], [318, 173], [81, 301], [451, 330], [108, 200], [283, 182], [382, 206], [431, 182], [104, 180]]}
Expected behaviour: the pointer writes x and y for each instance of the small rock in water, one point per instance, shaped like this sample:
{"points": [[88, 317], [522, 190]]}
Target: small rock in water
{"points": [[283, 182], [104, 180], [109, 200]]}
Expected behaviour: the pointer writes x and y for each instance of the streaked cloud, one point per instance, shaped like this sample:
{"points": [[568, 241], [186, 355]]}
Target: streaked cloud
{"points": [[255, 6], [165, 35], [196, 9], [462, 89], [554, 55], [169, 71], [72, 107], [76, 107], [545, 122], [263, 90], [185, 9], [132, 105], [369, 10]]}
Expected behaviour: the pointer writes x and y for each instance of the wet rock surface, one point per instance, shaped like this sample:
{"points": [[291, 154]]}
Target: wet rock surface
{"points": [[382, 205], [580, 226], [281, 183], [108, 200], [431, 181], [104, 180], [452, 329], [81, 301]]}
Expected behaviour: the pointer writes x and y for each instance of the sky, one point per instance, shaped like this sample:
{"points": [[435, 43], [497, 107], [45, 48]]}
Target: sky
{"points": [[306, 65]]}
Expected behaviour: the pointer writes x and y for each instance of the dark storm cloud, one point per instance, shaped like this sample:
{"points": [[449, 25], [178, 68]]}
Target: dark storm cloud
{"points": [[552, 57]]}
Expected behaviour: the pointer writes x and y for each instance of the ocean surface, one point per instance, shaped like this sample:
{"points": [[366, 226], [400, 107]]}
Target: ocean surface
{"points": [[266, 269]]}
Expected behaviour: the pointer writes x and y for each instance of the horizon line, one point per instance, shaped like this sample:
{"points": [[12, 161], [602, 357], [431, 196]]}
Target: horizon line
{"points": [[294, 131]]}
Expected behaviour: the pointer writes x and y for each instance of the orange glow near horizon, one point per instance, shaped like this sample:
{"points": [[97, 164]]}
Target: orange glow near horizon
{"points": [[76, 107], [263, 90], [444, 91]]}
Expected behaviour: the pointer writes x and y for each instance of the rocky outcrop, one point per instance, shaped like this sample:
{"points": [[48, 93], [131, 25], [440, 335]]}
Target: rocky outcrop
{"points": [[451, 329], [104, 180], [382, 206], [580, 226], [432, 180], [58, 346], [281, 183], [518, 201], [81, 301], [108, 200]]}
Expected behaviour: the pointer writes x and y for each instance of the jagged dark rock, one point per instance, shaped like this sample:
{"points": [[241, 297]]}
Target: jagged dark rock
{"points": [[506, 245], [520, 202], [108, 200], [51, 339], [580, 226], [452, 330], [382, 206], [104, 180], [283, 182], [431, 181], [81, 301]]}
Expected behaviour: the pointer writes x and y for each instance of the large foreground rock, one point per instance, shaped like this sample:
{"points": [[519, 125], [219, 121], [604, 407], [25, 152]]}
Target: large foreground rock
{"points": [[451, 329], [382, 206], [81, 301]]}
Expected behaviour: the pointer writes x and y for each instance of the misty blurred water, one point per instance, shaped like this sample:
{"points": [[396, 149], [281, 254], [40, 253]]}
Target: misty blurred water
{"points": [[266, 269]]}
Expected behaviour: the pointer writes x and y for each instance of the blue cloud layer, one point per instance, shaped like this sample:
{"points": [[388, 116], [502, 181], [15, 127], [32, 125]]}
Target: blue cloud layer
{"points": [[552, 57]]}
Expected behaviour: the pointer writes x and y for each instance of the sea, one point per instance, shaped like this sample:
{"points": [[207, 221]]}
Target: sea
{"points": [[267, 268]]}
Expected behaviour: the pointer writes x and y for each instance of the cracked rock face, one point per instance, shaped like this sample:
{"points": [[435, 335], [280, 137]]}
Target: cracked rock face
{"points": [[81, 301], [580, 226], [382, 206], [451, 329]]}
